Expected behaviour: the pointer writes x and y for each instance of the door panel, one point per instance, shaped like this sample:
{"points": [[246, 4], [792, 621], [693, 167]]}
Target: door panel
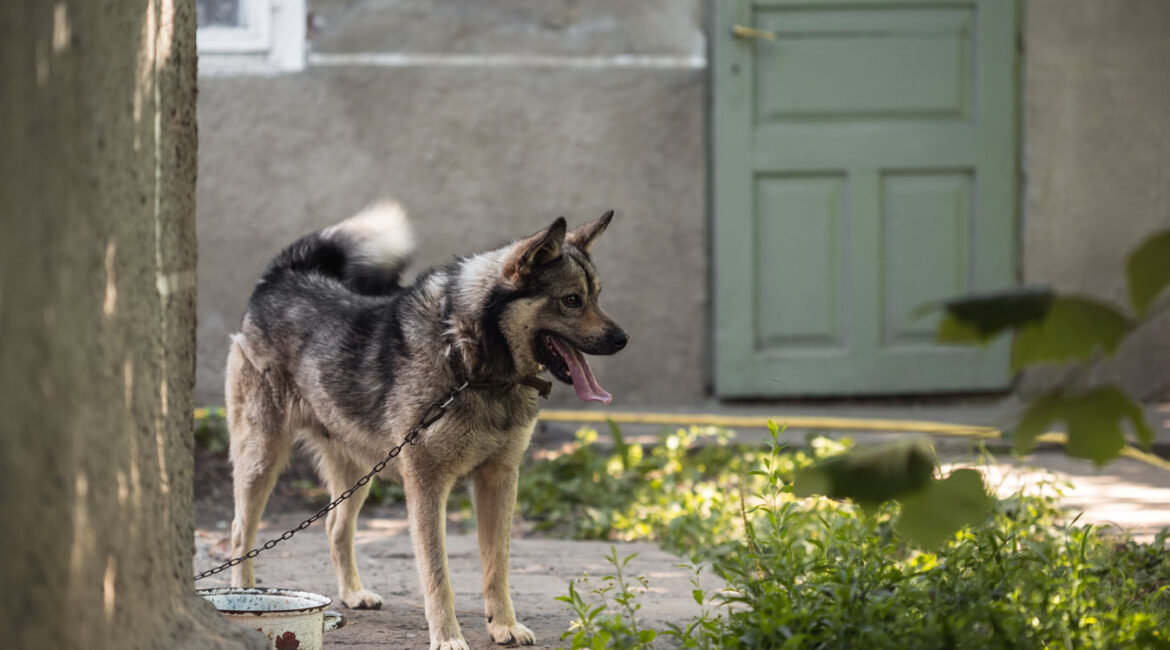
{"points": [[864, 163], [891, 63], [925, 249], [807, 244]]}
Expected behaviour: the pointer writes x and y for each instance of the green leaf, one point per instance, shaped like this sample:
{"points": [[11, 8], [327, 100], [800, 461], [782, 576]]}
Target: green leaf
{"points": [[932, 516], [1095, 422], [619, 443], [646, 636], [980, 317], [1040, 414], [1148, 271], [953, 330], [1073, 328], [870, 475]]}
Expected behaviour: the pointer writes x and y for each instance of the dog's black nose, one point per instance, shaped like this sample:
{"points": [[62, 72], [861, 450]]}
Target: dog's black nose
{"points": [[619, 339]]}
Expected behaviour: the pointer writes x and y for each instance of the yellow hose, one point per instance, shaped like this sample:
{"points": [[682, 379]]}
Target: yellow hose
{"points": [[761, 422]]}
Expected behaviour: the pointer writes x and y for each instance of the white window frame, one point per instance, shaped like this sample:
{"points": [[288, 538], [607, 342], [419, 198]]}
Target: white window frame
{"points": [[253, 37], [271, 41]]}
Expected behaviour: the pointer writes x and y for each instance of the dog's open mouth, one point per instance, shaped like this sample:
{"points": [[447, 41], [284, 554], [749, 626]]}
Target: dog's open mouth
{"points": [[567, 364]]}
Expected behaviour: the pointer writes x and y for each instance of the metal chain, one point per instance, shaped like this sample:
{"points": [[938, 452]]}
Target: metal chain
{"points": [[432, 415]]}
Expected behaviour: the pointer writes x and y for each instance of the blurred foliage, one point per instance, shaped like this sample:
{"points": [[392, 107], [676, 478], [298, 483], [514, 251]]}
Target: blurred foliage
{"points": [[211, 431], [1147, 272], [871, 475], [1051, 327]]}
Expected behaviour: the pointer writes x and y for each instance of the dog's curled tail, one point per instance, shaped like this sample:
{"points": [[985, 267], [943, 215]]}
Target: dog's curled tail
{"points": [[367, 251], [378, 243]]}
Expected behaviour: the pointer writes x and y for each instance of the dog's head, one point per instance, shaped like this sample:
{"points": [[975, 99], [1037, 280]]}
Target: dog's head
{"points": [[553, 317]]}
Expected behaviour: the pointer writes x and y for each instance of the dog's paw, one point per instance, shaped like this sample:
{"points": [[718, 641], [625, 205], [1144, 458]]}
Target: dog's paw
{"points": [[450, 644], [514, 634], [363, 599]]}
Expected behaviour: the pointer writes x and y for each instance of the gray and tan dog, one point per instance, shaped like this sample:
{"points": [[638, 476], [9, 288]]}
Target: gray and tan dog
{"points": [[333, 352]]}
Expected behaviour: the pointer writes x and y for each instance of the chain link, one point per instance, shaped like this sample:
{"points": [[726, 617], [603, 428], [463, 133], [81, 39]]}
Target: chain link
{"points": [[433, 414]]}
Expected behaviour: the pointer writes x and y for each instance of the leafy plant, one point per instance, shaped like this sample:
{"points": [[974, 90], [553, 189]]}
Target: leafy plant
{"points": [[702, 630], [1051, 327], [820, 573], [607, 616]]}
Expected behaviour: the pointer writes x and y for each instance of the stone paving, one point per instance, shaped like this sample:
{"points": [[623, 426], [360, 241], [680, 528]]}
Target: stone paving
{"points": [[541, 571]]}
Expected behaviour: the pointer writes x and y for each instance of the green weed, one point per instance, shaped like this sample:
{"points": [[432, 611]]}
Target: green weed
{"points": [[608, 618]]}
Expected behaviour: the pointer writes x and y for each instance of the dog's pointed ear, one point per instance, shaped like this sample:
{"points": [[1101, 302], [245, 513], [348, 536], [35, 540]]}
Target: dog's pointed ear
{"points": [[535, 251], [583, 236]]}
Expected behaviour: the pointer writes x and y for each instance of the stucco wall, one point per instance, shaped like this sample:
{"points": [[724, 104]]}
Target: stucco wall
{"points": [[96, 327], [1097, 157], [479, 156]]}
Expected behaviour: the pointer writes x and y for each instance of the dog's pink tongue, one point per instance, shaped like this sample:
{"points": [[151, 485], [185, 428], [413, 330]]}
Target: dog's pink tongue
{"points": [[583, 380]]}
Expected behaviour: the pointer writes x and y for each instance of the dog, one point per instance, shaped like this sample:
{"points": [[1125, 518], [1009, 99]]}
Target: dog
{"points": [[334, 352]]}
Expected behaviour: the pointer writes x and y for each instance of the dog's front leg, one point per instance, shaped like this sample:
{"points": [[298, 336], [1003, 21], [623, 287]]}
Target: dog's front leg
{"points": [[426, 505], [495, 497]]}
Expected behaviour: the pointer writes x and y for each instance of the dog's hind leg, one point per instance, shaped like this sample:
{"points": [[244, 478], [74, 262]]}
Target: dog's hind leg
{"points": [[340, 474], [495, 498], [260, 444]]}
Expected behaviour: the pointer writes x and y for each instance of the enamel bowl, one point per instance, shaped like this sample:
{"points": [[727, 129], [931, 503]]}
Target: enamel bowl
{"points": [[292, 620]]}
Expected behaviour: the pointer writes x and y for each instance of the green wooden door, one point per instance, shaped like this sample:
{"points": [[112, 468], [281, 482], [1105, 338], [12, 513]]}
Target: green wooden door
{"points": [[864, 164]]}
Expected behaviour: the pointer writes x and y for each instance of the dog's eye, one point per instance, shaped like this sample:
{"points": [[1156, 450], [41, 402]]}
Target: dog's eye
{"points": [[572, 301]]}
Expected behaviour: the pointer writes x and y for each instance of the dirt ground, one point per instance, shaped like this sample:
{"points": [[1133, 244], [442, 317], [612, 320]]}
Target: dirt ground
{"points": [[1126, 495]]}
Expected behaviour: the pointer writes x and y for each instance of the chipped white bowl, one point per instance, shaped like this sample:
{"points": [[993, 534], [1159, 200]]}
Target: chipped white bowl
{"points": [[292, 619]]}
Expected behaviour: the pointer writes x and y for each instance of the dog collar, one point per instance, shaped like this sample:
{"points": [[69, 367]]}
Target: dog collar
{"points": [[458, 368], [542, 386]]}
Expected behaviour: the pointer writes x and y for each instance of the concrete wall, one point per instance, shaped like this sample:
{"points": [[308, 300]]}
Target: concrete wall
{"points": [[479, 156], [1097, 158], [97, 312]]}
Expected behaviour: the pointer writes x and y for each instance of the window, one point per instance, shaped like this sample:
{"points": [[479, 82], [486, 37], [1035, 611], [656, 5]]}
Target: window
{"points": [[250, 35]]}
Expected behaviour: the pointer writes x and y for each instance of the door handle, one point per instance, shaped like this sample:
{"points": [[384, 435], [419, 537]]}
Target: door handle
{"points": [[740, 31]]}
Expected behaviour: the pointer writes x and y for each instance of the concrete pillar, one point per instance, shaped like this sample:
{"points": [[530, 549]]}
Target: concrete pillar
{"points": [[97, 295]]}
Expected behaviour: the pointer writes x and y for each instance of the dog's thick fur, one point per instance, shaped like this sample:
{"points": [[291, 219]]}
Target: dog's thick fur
{"points": [[334, 353]]}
